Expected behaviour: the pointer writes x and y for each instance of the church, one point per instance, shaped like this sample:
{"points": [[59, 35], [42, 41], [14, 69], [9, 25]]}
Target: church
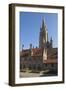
{"points": [[40, 58]]}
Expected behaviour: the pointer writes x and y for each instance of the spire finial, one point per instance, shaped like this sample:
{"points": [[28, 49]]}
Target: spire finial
{"points": [[43, 22]]}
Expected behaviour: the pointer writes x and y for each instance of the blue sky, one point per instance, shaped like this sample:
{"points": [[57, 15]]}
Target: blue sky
{"points": [[30, 23]]}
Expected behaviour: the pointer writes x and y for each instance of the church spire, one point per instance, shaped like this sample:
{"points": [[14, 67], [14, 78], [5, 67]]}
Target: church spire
{"points": [[43, 23], [43, 38]]}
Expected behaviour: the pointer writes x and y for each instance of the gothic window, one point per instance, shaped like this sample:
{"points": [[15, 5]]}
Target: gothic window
{"points": [[39, 67], [24, 66], [20, 66], [34, 67], [29, 58], [30, 66], [45, 65], [52, 65]]}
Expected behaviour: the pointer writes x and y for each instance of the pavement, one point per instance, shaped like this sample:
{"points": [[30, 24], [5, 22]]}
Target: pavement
{"points": [[27, 74]]}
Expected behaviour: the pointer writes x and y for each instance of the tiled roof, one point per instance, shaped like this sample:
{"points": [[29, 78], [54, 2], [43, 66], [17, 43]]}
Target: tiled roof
{"points": [[36, 52], [50, 61], [52, 53], [25, 53]]}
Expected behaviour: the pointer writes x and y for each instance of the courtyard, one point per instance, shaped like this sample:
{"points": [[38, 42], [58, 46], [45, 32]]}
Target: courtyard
{"points": [[39, 73], [27, 74]]}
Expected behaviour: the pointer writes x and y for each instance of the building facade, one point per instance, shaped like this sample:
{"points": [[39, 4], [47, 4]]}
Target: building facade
{"points": [[40, 58]]}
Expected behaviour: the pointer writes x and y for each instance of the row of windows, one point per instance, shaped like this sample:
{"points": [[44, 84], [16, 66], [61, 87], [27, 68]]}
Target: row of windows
{"points": [[26, 58], [51, 65], [29, 59], [38, 66], [31, 67]]}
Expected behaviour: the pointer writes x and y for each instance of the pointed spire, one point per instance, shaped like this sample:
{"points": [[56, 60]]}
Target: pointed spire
{"points": [[51, 42], [51, 39], [43, 21], [22, 46], [30, 45]]}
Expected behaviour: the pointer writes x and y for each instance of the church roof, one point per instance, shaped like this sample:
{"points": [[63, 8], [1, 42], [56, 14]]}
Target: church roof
{"points": [[50, 61], [33, 52], [51, 53], [36, 52], [24, 53]]}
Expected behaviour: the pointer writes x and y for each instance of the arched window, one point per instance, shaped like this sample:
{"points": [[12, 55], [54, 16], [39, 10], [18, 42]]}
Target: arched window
{"points": [[34, 67], [52, 65], [24, 66], [29, 66], [39, 67]]}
